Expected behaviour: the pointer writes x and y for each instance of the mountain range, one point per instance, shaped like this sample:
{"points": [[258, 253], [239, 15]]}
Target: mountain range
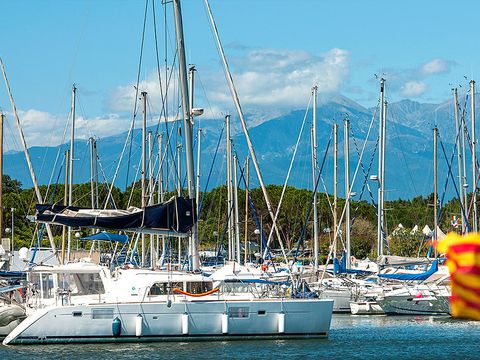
{"points": [[409, 149]]}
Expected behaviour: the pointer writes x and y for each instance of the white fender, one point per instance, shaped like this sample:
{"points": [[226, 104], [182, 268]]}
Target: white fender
{"points": [[225, 323], [138, 325]]}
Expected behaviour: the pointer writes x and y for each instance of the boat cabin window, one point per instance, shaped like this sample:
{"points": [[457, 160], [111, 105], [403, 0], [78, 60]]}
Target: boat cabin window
{"points": [[42, 283], [81, 284], [199, 287], [164, 288], [239, 312], [236, 287]]}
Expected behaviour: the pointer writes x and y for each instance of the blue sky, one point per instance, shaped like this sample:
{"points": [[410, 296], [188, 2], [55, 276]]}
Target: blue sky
{"points": [[277, 49]]}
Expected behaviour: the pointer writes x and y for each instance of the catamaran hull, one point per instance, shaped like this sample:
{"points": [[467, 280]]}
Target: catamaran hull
{"points": [[202, 320]]}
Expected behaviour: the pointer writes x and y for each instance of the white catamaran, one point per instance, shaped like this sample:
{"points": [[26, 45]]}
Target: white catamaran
{"points": [[83, 302]]}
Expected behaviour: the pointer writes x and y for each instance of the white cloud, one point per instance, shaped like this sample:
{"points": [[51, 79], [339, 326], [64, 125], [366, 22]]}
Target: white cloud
{"points": [[274, 78], [264, 78], [435, 66], [41, 128], [413, 89]]}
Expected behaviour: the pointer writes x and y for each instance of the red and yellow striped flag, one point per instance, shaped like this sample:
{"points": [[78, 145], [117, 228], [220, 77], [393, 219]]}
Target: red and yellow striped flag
{"points": [[463, 261]]}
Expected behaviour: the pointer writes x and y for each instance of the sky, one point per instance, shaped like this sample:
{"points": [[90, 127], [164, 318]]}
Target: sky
{"points": [[277, 51]]}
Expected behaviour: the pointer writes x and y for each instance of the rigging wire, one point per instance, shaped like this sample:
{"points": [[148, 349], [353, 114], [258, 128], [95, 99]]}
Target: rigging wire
{"points": [[137, 89]]}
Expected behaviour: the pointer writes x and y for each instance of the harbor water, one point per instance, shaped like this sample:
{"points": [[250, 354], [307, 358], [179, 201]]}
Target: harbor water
{"points": [[351, 337]]}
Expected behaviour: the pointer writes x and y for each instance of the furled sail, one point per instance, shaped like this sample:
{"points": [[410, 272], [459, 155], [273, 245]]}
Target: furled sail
{"points": [[176, 215]]}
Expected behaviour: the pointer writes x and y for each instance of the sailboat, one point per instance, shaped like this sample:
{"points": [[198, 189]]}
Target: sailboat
{"points": [[84, 302]]}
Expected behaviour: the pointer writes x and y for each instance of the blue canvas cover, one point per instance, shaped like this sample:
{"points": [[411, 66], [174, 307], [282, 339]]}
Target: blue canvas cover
{"points": [[413, 277], [105, 236]]}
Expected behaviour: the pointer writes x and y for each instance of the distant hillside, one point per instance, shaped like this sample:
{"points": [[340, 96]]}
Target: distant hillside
{"points": [[409, 149]]}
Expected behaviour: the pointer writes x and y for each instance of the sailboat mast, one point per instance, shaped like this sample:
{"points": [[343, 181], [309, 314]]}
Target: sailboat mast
{"points": [[160, 186], [381, 164], [144, 165], [335, 184], [461, 180], [65, 202], [199, 150], [96, 173], [435, 201], [70, 173], [229, 189], [187, 122], [27, 157], [236, 100], [2, 119], [347, 192], [314, 176], [474, 158], [92, 173], [237, 217], [153, 255], [247, 184]]}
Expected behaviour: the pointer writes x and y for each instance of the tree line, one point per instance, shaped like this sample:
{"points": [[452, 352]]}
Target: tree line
{"points": [[296, 227]]}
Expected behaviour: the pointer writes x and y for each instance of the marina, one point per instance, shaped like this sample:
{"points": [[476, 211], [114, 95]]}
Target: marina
{"points": [[210, 216]]}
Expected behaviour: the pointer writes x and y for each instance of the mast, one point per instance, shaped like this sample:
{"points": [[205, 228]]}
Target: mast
{"points": [[144, 165], [179, 169], [96, 173], [247, 182], [187, 122], [92, 172], [191, 78], [229, 189], [2, 119], [197, 196], [237, 217], [335, 184], [160, 184], [153, 255], [435, 201], [236, 100], [27, 157], [474, 159], [381, 164], [65, 202], [70, 169], [150, 168], [314, 175], [461, 181], [464, 167], [347, 192]]}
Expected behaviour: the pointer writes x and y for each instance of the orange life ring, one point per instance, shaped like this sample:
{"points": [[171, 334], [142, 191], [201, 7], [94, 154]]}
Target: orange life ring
{"points": [[264, 267], [180, 291]]}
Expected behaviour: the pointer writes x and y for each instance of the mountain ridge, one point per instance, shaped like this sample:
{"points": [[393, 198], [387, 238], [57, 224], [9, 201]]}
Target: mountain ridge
{"points": [[409, 148]]}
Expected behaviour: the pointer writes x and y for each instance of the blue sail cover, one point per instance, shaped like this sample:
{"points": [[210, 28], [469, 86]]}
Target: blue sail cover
{"points": [[104, 236], [177, 215], [419, 277], [340, 267]]}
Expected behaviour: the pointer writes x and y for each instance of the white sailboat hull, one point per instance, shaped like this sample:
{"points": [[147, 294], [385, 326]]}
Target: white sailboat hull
{"points": [[190, 320], [409, 305], [341, 299], [365, 308]]}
